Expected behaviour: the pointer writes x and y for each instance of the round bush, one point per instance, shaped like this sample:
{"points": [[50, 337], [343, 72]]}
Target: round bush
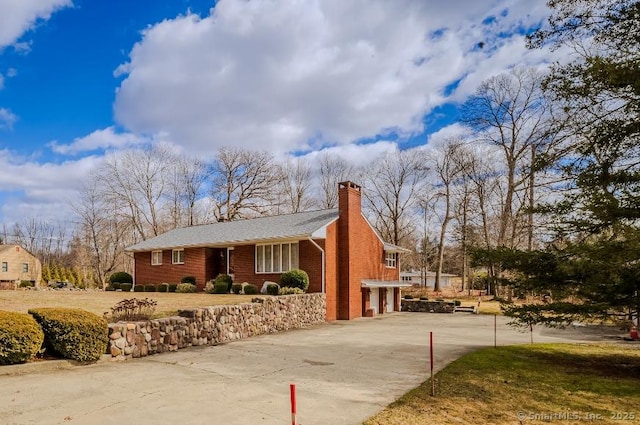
{"points": [[226, 279], [73, 333], [295, 279], [138, 288], [20, 337], [220, 287], [185, 288], [172, 287], [163, 287], [188, 279], [126, 287], [115, 285], [251, 289], [236, 288], [273, 289], [120, 277], [149, 288]]}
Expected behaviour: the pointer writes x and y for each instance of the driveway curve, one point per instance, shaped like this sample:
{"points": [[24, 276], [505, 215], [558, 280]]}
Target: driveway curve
{"points": [[344, 372]]}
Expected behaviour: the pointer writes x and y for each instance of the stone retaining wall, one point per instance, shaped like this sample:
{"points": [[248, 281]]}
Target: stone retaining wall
{"points": [[427, 306], [216, 324]]}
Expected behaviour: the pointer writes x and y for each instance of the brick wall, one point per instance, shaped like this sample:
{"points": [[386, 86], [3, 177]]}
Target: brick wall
{"points": [[360, 254], [195, 264], [206, 264]]}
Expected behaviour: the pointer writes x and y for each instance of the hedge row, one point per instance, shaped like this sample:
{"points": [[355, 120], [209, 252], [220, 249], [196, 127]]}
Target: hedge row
{"points": [[69, 333]]}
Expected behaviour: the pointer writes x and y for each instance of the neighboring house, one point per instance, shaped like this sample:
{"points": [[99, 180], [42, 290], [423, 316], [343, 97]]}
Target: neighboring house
{"points": [[340, 251], [416, 279], [18, 264]]}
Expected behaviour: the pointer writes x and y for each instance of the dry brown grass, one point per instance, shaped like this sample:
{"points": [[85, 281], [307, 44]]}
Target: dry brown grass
{"points": [[511, 385], [99, 302]]}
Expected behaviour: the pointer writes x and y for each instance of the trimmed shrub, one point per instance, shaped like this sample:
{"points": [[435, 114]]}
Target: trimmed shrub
{"points": [[115, 285], [149, 288], [138, 288], [457, 303], [424, 298], [408, 297], [220, 287], [273, 289], [73, 333], [290, 291], [120, 277], [188, 279], [109, 288], [126, 287], [172, 287], [163, 287], [20, 337], [226, 279], [236, 288], [295, 279], [251, 289], [185, 288], [27, 284]]}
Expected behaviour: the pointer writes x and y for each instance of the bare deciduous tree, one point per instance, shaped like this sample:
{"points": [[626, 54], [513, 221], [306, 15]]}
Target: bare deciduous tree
{"points": [[510, 112], [102, 232], [243, 182], [295, 187], [136, 181], [391, 186], [333, 170]]}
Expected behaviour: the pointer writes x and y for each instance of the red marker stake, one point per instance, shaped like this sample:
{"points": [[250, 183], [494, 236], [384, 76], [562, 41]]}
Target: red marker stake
{"points": [[292, 390], [433, 384]]}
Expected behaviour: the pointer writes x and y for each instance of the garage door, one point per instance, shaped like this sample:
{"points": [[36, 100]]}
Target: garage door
{"points": [[389, 300], [374, 298]]}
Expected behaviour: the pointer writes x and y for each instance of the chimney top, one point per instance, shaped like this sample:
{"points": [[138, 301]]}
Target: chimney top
{"points": [[349, 185]]}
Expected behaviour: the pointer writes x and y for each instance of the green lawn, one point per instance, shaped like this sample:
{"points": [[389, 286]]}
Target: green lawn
{"points": [[542, 383]]}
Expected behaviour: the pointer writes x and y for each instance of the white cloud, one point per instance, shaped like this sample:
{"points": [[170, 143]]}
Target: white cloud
{"points": [[99, 139], [7, 118], [18, 16], [46, 190], [12, 72], [300, 75], [359, 155]]}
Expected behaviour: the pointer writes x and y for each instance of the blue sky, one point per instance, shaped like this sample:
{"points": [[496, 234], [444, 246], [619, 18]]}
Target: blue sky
{"points": [[83, 77]]}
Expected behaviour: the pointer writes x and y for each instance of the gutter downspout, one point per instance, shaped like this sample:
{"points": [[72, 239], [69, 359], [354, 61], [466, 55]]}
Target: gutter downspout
{"points": [[323, 261]]}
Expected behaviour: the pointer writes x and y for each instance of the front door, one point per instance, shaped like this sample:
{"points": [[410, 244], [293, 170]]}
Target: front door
{"points": [[374, 300], [389, 300]]}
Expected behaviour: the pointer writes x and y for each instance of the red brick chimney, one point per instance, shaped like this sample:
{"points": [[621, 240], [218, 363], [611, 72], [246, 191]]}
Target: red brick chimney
{"points": [[349, 221]]}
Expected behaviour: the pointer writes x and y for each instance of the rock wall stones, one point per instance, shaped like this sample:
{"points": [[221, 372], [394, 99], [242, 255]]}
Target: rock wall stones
{"points": [[214, 325], [427, 306]]}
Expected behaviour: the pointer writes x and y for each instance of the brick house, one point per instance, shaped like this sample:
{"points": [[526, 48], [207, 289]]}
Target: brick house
{"points": [[343, 255], [16, 265]]}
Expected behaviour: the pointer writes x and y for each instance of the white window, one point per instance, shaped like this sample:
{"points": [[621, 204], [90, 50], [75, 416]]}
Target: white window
{"points": [[5, 266], [276, 258], [25, 267], [156, 258], [390, 259], [177, 256]]}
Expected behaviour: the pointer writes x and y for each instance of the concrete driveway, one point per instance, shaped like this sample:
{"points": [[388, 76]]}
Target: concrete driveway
{"points": [[344, 373]]}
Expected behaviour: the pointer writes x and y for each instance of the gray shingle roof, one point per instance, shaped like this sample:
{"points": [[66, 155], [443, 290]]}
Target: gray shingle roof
{"points": [[294, 226]]}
